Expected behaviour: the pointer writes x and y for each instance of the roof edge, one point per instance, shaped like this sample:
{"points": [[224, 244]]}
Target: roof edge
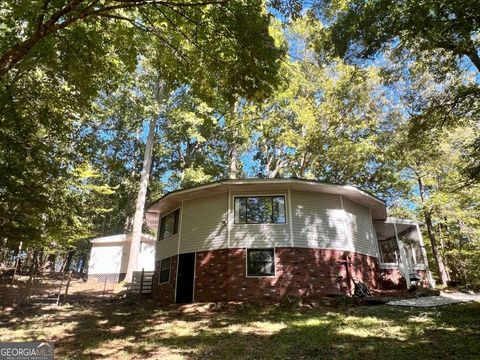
{"points": [[253, 180]]}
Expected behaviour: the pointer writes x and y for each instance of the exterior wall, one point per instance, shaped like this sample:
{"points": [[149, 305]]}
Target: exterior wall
{"points": [[221, 275], [258, 235], [359, 228], [109, 258], [393, 279], [164, 293], [320, 230], [204, 224], [318, 221], [167, 247]]}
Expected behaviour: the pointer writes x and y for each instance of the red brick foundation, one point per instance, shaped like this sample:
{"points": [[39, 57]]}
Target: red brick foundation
{"points": [[220, 275], [165, 292], [393, 279]]}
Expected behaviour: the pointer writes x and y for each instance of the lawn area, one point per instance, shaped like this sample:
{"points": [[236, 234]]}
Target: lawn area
{"points": [[117, 330]]}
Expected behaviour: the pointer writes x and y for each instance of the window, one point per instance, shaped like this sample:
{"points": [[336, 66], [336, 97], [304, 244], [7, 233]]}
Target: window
{"points": [[389, 251], [260, 210], [164, 271], [169, 224], [260, 262]]}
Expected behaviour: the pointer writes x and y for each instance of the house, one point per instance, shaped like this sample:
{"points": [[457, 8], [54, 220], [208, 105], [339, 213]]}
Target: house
{"points": [[263, 239], [109, 257]]}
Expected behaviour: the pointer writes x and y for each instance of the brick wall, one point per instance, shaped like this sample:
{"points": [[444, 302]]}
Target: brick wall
{"points": [[220, 274], [164, 293], [393, 279]]}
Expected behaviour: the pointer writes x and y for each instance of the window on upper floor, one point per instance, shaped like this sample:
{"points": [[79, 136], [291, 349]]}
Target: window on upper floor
{"points": [[169, 224], [164, 275], [260, 262], [260, 210]]}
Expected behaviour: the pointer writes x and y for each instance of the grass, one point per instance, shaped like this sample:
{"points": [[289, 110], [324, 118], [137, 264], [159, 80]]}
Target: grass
{"points": [[116, 330]]}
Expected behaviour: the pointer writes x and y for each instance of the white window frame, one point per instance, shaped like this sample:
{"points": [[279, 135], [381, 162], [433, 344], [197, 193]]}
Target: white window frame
{"points": [[261, 195]]}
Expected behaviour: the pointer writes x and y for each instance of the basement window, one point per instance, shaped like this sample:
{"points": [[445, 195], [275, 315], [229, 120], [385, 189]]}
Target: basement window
{"points": [[169, 224], [260, 262], [164, 276], [260, 210]]}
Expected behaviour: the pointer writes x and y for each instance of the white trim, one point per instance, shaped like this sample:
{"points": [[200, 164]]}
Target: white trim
{"points": [[274, 194], [402, 255], [178, 251], [194, 275], [121, 238], [266, 246], [274, 263], [289, 193], [375, 239], [169, 271], [391, 220], [388, 265], [345, 220]]}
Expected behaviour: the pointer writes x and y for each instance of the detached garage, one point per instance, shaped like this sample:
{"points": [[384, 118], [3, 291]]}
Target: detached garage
{"points": [[109, 257]]}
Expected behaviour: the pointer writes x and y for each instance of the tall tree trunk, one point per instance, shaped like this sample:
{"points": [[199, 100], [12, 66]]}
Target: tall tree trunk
{"points": [[140, 204], [233, 166], [431, 236], [232, 126], [436, 254]]}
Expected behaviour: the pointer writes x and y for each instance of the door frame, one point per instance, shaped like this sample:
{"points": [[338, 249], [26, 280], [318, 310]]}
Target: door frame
{"points": [[194, 276]]}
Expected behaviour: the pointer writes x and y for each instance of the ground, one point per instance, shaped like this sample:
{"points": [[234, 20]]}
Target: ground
{"points": [[116, 330]]}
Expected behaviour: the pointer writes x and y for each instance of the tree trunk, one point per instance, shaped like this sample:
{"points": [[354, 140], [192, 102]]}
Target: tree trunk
{"points": [[431, 236], [233, 166], [436, 254], [68, 261], [140, 204]]}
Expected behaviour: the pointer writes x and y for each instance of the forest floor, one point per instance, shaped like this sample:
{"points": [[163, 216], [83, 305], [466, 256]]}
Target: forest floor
{"points": [[116, 330]]}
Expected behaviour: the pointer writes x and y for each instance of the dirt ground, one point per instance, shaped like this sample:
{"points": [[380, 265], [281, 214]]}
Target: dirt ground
{"points": [[120, 329]]}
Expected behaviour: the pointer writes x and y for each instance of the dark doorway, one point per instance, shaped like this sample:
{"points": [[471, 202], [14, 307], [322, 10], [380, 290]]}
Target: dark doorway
{"points": [[186, 270]]}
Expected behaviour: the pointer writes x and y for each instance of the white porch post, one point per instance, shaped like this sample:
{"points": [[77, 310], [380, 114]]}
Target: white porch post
{"points": [[403, 257]]}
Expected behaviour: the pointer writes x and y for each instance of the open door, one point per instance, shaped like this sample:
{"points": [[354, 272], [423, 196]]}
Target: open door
{"points": [[185, 278]]}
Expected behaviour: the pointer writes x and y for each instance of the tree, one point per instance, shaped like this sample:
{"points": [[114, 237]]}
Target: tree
{"points": [[42, 19], [361, 30], [450, 213], [190, 129], [48, 105], [328, 121]]}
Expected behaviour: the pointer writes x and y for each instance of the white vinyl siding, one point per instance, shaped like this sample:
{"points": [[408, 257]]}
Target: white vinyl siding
{"points": [[109, 259], [167, 247], [259, 235], [204, 224], [359, 230], [318, 221]]}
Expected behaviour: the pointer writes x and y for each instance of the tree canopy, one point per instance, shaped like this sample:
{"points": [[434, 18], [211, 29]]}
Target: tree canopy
{"points": [[379, 94]]}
